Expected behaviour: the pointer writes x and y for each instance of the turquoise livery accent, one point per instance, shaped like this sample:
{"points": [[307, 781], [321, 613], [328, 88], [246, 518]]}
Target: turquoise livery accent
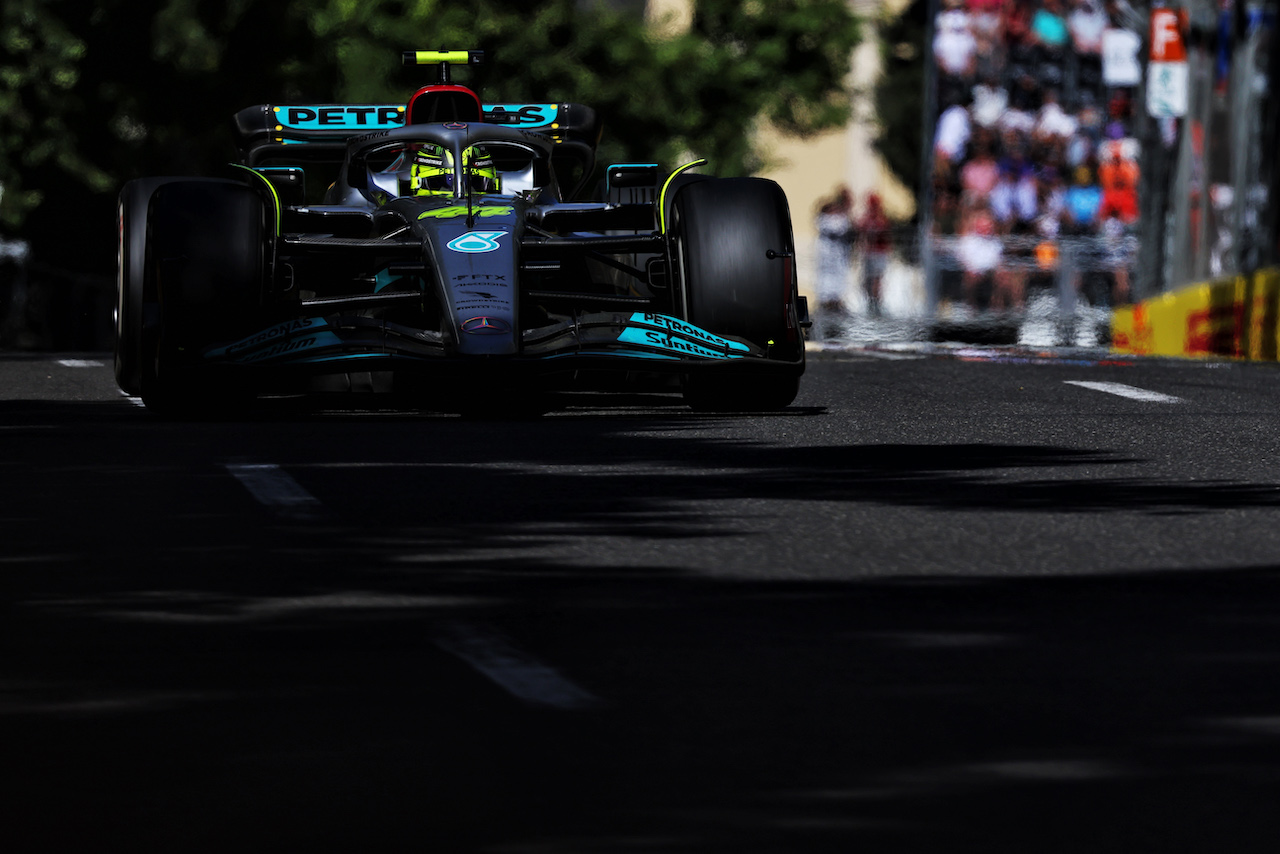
{"points": [[369, 117], [673, 343], [290, 346], [345, 357], [383, 279], [663, 327], [630, 354], [521, 115], [280, 331], [476, 241], [340, 117]]}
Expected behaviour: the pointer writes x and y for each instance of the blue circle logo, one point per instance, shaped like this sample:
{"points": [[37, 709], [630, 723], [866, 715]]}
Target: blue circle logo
{"points": [[476, 241]]}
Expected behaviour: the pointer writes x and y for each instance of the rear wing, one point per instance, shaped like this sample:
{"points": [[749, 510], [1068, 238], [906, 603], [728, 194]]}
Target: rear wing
{"points": [[316, 134], [313, 132]]}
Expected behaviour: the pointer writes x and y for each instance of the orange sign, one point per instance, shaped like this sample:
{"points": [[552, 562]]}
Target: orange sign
{"points": [[1166, 36]]}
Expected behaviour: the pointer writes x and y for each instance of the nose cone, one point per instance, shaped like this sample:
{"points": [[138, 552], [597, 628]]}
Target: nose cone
{"points": [[485, 326]]}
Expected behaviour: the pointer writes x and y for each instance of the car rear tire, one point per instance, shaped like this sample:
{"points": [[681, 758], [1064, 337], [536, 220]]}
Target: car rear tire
{"points": [[734, 253], [132, 306], [205, 262]]}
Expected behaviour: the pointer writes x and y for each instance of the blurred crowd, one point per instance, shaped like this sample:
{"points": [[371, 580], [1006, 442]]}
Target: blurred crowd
{"points": [[1032, 147], [850, 244]]}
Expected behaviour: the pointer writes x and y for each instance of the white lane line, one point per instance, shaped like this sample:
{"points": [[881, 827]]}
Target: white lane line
{"points": [[272, 486], [81, 363], [890, 356], [1131, 392], [515, 672]]}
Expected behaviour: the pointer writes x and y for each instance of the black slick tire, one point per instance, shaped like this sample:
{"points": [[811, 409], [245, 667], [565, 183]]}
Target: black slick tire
{"points": [[132, 307], [733, 249], [206, 264]]}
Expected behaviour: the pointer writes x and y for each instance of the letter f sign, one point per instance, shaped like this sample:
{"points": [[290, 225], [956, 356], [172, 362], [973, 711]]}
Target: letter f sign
{"points": [[1166, 37]]}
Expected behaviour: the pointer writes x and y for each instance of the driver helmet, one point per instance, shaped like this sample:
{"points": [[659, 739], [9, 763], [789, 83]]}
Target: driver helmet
{"points": [[482, 175], [431, 172]]}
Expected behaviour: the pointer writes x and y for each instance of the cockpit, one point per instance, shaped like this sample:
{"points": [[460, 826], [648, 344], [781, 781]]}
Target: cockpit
{"points": [[414, 168]]}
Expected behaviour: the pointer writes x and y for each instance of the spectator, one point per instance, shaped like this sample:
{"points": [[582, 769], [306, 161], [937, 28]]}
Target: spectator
{"points": [[1083, 199], [991, 57], [1017, 24], [1121, 249], [1025, 93], [990, 101], [1010, 287], [875, 236], [952, 135], [836, 235], [1119, 111], [985, 18], [946, 213], [1015, 134], [1015, 199], [1082, 146], [1222, 200], [1064, 163], [1119, 107], [1053, 122], [954, 46], [1049, 28], [1079, 150], [1052, 192], [955, 51], [1089, 119], [1047, 258], [1085, 24], [978, 250], [1049, 33], [1118, 175], [978, 177], [1016, 160]]}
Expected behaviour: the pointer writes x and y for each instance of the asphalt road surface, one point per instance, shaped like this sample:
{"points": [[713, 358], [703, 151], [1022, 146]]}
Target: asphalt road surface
{"points": [[953, 600]]}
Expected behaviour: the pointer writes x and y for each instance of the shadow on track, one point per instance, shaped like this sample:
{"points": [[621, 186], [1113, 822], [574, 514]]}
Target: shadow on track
{"points": [[185, 671]]}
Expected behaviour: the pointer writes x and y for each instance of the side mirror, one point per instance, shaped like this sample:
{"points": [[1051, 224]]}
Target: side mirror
{"points": [[358, 173]]}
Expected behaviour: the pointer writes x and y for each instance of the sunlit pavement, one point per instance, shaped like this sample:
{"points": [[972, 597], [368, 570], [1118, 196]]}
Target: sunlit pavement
{"points": [[1041, 323]]}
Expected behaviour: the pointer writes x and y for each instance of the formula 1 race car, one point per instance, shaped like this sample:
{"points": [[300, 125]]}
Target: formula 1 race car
{"points": [[451, 252]]}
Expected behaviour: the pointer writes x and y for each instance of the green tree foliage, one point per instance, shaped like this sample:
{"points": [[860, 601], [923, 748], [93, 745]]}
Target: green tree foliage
{"points": [[899, 93], [95, 92], [41, 68], [697, 93]]}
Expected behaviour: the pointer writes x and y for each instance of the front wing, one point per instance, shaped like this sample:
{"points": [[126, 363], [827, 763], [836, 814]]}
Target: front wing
{"points": [[618, 340]]}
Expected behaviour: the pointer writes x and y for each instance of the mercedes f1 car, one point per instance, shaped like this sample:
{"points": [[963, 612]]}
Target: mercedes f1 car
{"points": [[454, 252]]}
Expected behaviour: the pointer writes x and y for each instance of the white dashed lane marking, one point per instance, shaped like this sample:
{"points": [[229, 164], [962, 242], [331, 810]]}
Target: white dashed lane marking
{"points": [[1131, 392], [81, 363], [517, 673], [273, 486], [491, 654]]}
